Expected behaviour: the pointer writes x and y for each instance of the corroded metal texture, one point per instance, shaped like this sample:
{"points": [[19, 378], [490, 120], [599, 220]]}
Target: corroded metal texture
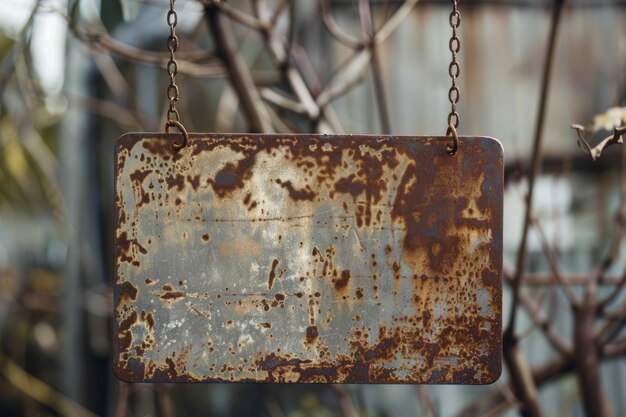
{"points": [[344, 259]]}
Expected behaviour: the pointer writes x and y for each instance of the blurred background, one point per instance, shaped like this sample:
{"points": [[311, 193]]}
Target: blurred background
{"points": [[76, 74]]}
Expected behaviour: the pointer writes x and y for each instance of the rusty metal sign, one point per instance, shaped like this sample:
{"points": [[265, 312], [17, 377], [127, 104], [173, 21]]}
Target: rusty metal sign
{"points": [[335, 259]]}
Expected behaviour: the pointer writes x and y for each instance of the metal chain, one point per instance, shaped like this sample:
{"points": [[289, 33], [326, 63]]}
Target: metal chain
{"points": [[173, 118], [172, 64], [454, 70]]}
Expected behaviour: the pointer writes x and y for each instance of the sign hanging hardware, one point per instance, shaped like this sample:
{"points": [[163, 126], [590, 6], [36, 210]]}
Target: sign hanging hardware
{"points": [[454, 70], [307, 258], [173, 93]]}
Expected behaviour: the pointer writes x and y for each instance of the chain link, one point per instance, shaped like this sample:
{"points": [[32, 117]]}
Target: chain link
{"points": [[172, 92], [172, 64], [454, 70]]}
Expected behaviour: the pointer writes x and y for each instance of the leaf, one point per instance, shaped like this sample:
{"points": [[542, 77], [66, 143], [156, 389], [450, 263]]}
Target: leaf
{"points": [[609, 120]]}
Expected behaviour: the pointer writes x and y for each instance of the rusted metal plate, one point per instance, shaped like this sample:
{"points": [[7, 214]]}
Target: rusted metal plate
{"points": [[343, 259]]}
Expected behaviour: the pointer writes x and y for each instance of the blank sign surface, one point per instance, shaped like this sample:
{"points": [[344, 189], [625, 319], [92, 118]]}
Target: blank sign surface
{"points": [[335, 259]]}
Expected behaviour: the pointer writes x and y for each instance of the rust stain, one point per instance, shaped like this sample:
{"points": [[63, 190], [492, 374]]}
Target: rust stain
{"points": [[311, 334], [127, 291], [272, 275], [175, 182], [342, 281], [169, 294], [297, 195], [380, 255]]}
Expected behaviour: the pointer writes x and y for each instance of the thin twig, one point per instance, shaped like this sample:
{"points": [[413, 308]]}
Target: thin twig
{"points": [[353, 69], [536, 159], [595, 151], [278, 47], [122, 399], [199, 67], [426, 401], [41, 392], [279, 99], [613, 294], [540, 319], [615, 349], [394, 21], [523, 384], [554, 264], [334, 29], [367, 27], [305, 65], [279, 9], [238, 71], [344, 401], [618, 237], [347, 76], [166, 403], [236, 14]]}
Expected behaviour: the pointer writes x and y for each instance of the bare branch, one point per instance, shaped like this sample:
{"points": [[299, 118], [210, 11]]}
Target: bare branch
{"points": [[618, 237], [330, 123], [522, 379], [238, 71], [367, 27], [104, 41], [426, 401], [347, 76], [236, 14], [571, 279], [615, 349], [365, 20], [279, 9], [540, 319], [344, 400], [273, 408], [303, 93], [278, 45], [334, 29], [279, 124], [554, 264], [394, 21], [536, 159], [278, 99], [306, 67], [614, 293], [291, 34], [587, 356], [34, 388], [123, 117], [524, 386], [544, 323], [549, 371], [352, 71], [615, 322], [122, 399]]}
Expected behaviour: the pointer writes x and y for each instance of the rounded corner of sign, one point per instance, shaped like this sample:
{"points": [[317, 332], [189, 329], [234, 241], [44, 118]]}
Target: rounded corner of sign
{"points": [[494, 141], [125, 138], [123, 375], [494, 376], [494, 369], [127, 141]]}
